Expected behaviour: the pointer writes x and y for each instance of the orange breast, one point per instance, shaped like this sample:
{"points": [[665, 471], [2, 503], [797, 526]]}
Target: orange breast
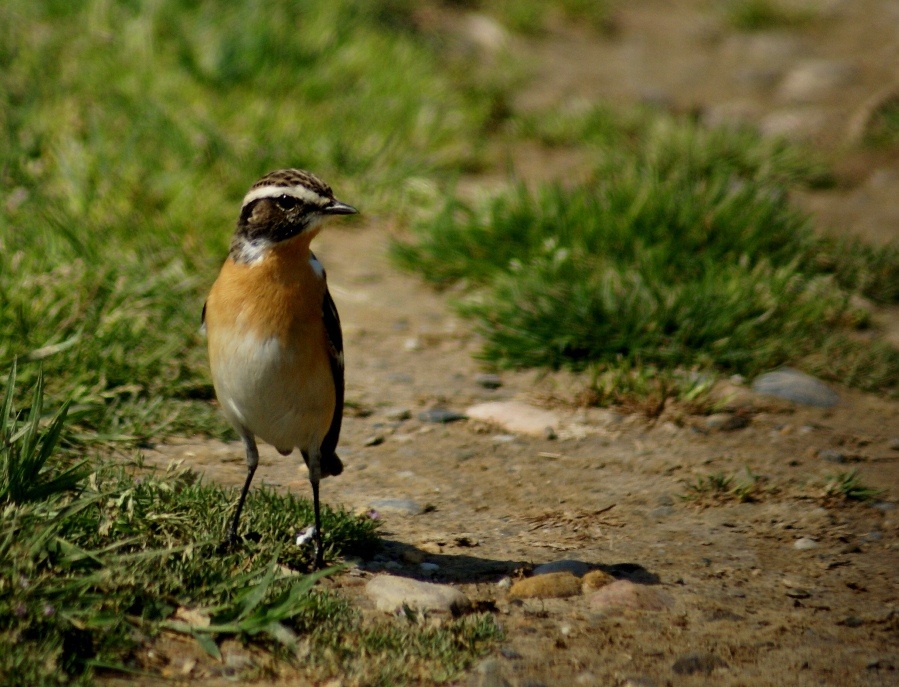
{"points": [[268, 347]]}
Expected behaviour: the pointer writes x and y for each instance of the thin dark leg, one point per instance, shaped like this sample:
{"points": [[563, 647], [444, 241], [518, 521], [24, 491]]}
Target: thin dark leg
{"points": [[319, 546], [252, 462]]}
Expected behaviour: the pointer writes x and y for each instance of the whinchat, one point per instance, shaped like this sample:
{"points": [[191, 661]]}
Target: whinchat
{"points": [[275, 343]]}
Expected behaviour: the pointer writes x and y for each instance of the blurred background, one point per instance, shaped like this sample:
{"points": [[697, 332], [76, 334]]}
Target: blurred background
{"points": [[653, 196]]}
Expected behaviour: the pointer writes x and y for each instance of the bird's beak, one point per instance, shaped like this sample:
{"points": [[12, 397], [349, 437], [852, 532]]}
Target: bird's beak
{"points": [[338, 208]]}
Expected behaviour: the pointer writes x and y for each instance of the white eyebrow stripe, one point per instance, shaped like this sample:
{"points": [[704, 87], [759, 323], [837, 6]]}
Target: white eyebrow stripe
{"points": [[303, 193]]}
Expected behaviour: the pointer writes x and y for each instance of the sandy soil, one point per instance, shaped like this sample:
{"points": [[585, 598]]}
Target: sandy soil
{"points": [[498, 504]]}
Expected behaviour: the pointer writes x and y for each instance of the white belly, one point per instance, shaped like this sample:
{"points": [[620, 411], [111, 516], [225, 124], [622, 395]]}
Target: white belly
{"points": [[261, 388]]}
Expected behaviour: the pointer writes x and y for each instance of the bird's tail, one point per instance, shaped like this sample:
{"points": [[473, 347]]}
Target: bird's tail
{"points": [[331, 465]]}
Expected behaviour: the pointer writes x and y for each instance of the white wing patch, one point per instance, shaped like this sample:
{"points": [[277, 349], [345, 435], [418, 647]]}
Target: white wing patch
{"points": [[300, 192]]}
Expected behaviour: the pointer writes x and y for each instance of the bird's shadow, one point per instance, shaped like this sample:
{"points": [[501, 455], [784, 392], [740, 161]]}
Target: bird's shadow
{"points": [[403, 559]]}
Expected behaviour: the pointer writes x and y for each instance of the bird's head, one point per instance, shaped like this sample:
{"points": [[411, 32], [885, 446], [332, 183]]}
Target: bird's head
{"points": [[280, 206]]}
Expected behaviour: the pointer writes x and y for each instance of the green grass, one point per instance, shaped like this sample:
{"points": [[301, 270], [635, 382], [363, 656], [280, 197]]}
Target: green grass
{"points": [[883, 129], [128, 134], [719, 488], [99, 563], [681, 251], [847, 486], [761, 15]]}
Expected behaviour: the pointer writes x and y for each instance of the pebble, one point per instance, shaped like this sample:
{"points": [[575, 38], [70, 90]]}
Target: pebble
{"points": [[488, 673], [813, 80], [576, 568], [595, 579], [638, 681], [515, 416], [488, 381], [557, 585], [831, 456], [440, 416], [396, 506], [726, 422], [374, 440], [894, 444], [697, 662], [397, 414], [429, 567], [624, 594], [390, 593], [505, 583], [798, 387], [805, 543]]}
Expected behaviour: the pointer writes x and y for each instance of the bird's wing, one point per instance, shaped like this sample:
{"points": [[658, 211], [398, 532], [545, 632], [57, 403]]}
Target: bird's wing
{"points": [[335, 354]]}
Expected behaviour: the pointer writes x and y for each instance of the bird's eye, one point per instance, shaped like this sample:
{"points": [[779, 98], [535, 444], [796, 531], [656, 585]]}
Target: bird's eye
{"points": [[286, 202]]}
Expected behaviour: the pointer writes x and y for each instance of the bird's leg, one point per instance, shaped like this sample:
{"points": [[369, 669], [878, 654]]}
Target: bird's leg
{"points": [[252, 462], [315, 470]]}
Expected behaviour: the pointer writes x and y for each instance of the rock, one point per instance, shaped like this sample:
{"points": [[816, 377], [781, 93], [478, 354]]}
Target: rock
{"points": [[726, 422], [429, 568], [894, 444], [795, 386], [488, 381], [804, 544], [549, 586], [625, 595], [638, 681], [488, 673], [515, 416], [576, 568], [485, 33], [396, 506], [397, 414], [391, 593], [440, 416], [831, 456], [374, 440], [797, 123], [595, 579], [813, 80], [697, 662]]}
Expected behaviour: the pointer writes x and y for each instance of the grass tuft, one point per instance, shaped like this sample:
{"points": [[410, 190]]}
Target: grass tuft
{"points": [[847, 486], [762, 15], [674, 255]]}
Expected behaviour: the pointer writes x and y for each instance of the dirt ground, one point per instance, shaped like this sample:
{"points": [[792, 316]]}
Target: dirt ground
{"points": [[755, 608]]}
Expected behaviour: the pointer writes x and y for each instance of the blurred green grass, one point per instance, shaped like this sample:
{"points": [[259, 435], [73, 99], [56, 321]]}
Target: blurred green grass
{"points": [[682, 251], [128, 134]]}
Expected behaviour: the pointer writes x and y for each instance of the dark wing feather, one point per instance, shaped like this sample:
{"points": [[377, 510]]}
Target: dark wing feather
{"points": [[331, 464]]}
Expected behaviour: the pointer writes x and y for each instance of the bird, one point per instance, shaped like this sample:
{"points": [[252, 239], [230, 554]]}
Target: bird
{"points": [[273, 333]]}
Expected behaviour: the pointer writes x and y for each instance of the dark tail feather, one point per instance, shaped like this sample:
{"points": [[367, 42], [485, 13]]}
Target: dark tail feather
{"points": [[331, 465]]}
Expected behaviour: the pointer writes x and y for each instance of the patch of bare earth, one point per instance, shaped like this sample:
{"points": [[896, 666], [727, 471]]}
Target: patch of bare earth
{"points": [[790, 587]]}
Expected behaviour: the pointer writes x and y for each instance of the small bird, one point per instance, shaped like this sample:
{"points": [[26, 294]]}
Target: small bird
{"points": [[274, 337]]}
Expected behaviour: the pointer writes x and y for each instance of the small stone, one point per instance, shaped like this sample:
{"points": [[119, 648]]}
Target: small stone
{"points": [[391, 593], [661, 512], [489, 381], [429, 567], [550, 586], [697, 662], [639, 681], [804, 544], [374, 440], [550, 434], [894, 444], [397, 414], [440, 416], [576, 568], [515, 416], [831, 456], [488, 673], [595, 579], [795, 386], [397, 506], [505, 583], [815, 79], [412, 556], [625, 595], [726, 422]]}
